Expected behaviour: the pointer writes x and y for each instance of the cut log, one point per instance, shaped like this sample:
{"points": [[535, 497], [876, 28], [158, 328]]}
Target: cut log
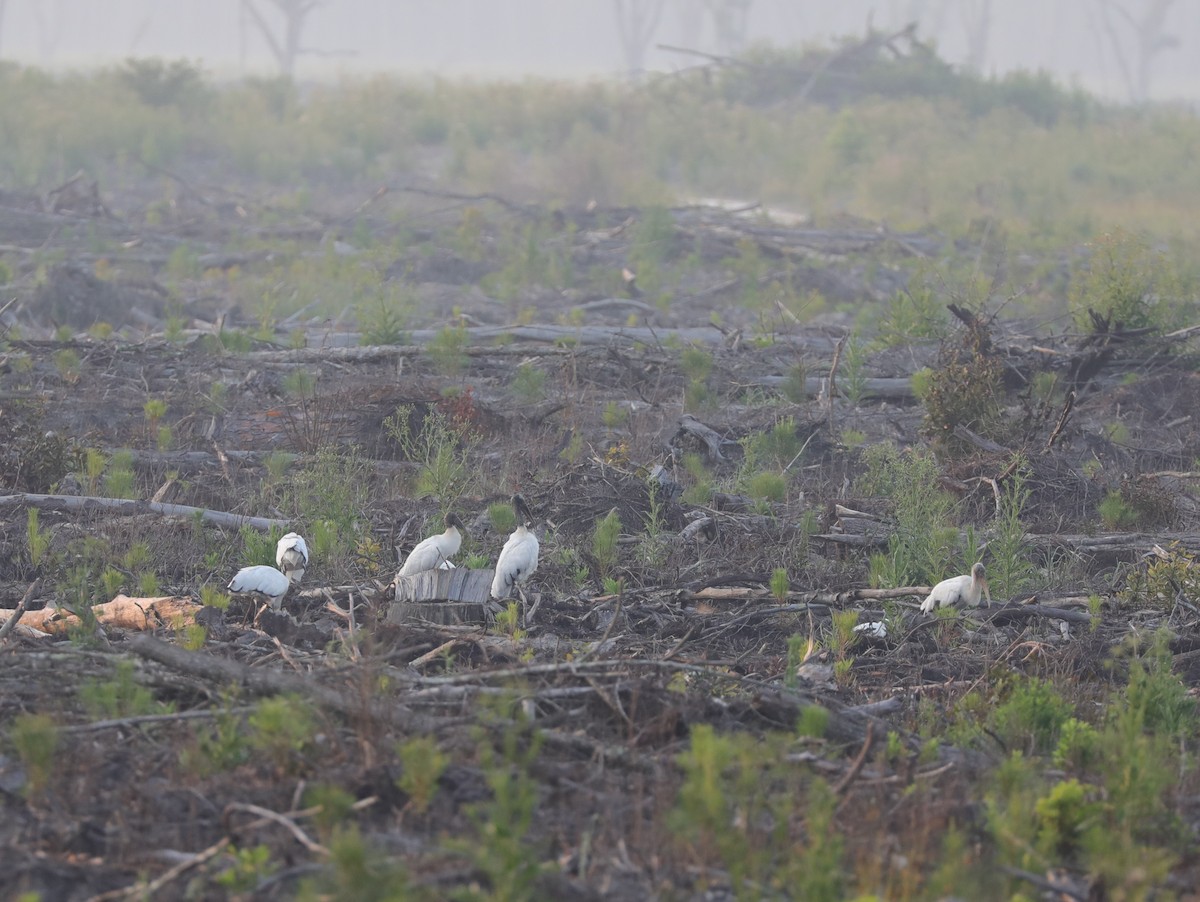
{"points": [[123, 612], [444, 597]]}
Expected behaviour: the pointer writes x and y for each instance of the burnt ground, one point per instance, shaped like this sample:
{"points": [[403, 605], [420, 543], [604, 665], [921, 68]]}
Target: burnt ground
{"points": [[598, 697]]}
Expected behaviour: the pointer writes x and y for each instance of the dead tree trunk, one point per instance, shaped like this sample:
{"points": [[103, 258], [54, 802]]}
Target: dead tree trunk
{"points": [[1151, 36], [285, 47], [977, 20], [637, 20]]}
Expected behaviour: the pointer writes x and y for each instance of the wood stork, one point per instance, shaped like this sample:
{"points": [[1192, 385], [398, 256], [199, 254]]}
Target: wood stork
{"points": [[261, 581], [435, 552], [291, 554], [519, 556], [950, 592]]}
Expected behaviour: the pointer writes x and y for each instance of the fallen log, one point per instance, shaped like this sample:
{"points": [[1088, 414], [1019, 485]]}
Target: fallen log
{"points": [[122, 612], [263, 681], [881, 388], [135, 506], [1009, 613], [571, 337]]}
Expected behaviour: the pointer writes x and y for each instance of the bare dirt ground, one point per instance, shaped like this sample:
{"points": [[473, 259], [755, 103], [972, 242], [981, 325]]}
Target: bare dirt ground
{"points": [[600, 691]]}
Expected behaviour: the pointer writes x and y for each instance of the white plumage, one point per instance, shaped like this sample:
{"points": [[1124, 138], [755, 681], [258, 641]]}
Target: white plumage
{"points": [[291, 554], [519, 556], [261, 580], [966, 589], [435, 552]]}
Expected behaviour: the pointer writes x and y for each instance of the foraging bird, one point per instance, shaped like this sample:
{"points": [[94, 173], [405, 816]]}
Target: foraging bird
{"points": [[519, 556], [950, 592], [263, 581], [291, 554], [435, 552]]}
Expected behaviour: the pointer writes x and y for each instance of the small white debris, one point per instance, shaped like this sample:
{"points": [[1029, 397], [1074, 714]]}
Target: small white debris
{"points": [[876, 629]]}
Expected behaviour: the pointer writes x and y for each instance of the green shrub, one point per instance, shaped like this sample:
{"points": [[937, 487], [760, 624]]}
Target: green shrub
{"points": [[1125, 283], [923, 539], [965, 388], [767, 486], [1032, 716], [777, 447], [502, 517], [118, 696], [441, 448], [1010, 570], [1078, 745], [604, 542], [282, 729], [529, 384], [35, 739], [448, 350], [423, 764], [1115, 512]]}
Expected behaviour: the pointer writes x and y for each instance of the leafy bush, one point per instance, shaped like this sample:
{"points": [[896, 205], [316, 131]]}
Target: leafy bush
{"points": [[158, 83], [282, 729], [1127, 284], [923, 539], [442, 450], [1032, 716], [965, 388]]}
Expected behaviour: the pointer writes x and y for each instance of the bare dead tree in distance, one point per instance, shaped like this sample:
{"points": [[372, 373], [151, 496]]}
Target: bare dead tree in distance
{"points": [[637, 20], [977, 21], [731, 20], [285, 47], [1151, 36]]}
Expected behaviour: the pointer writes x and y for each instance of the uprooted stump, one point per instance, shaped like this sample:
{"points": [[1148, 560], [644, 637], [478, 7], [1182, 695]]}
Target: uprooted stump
{"points": [[443, 597]]}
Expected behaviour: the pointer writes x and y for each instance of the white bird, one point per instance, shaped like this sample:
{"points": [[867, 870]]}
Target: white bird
{"points": [[876, 629], [435, 552], [519, 556], [950, 592], [263, 581], [291, 554]]}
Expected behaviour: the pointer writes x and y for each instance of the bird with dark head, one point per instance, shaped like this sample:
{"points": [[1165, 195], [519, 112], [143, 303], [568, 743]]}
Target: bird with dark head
{"points": [[959, 589], [435, 552], [519, 556], [291, 555]]}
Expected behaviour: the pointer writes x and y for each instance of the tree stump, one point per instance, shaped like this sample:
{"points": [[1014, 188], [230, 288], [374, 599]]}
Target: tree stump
{"points": [[444, 597]]}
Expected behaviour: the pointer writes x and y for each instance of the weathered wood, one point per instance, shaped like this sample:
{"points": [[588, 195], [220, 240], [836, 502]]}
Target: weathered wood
{"points": [[882, 388], [12, 617], [1007, 613], [134, 506], [689, 425], [347, 343], [265, 681], [443, 597], [122, 612]]}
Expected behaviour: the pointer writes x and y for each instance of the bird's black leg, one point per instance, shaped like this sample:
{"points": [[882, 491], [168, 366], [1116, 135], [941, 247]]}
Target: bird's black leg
{"points": [[524, 602]]}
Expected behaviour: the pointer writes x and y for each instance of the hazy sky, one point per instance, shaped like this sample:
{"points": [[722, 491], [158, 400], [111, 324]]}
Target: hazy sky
{"points": [[576, 38]]}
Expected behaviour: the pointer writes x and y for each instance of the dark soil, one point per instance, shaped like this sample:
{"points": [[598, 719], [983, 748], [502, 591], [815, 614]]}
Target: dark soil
{"points": [[614, 684]]}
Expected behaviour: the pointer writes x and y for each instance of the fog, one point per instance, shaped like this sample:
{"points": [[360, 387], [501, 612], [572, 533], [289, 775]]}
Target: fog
{"points": [[1086, 42]]}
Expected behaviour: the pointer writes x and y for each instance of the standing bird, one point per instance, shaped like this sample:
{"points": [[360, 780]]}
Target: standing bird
{"points": [[950, 592], [435, 552], [262, 581], [519, 556], [291, 554]]}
